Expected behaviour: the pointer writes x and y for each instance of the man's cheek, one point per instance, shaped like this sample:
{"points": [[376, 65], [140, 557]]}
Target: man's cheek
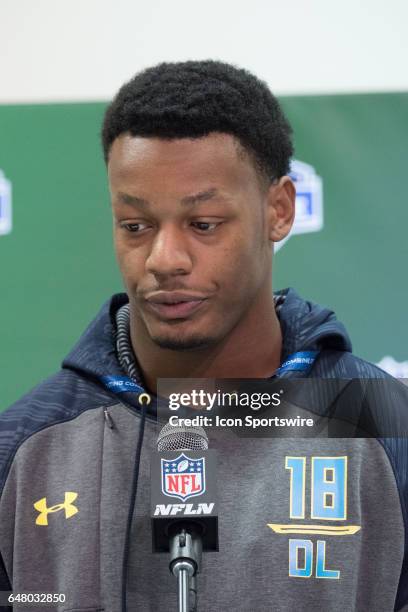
{"points": [[131, 263]]}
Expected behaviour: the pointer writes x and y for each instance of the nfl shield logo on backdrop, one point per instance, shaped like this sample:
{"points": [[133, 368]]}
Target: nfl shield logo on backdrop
{"points": [[183, 477]]}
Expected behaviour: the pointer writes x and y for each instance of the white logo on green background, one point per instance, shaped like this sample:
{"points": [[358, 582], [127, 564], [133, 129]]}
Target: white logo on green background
{"points": [[5, 205], [309, 200], [398, 369]]}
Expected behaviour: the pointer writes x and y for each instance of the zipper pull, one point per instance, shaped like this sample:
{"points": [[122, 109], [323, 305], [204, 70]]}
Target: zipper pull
{"points": [[108, 419]]}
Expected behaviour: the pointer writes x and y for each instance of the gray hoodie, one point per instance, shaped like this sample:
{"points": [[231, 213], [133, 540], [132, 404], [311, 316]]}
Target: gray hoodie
{"points": [[304, 523]]}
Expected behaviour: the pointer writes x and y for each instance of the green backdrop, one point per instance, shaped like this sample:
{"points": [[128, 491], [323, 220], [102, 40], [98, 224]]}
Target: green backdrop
{"points": [[58, 267]]}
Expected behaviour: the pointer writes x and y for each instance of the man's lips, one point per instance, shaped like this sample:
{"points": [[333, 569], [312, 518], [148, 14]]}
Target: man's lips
{"points": [[174, 304]]}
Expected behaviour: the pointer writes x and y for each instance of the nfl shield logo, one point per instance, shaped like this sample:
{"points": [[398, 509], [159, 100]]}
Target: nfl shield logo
{"points": [[183, 477]]}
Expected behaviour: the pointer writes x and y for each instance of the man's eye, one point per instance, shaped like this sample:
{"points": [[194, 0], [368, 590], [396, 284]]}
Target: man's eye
{"points": [[205, 226], [134, 227]]}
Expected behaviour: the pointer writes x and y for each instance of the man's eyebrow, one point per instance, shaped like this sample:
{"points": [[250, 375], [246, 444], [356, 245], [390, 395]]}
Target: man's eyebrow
{"points": [[197, 198], [133, 200]]}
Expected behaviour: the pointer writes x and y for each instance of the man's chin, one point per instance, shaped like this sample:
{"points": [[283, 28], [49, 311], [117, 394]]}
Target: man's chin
{"points": [[183, 344]]}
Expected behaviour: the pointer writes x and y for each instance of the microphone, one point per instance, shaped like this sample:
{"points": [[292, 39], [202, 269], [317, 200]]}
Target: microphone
{"points": [[184, 469]]}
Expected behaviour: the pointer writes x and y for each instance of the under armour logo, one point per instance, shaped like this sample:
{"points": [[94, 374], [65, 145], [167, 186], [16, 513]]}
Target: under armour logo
{"points": [[41, 506]]}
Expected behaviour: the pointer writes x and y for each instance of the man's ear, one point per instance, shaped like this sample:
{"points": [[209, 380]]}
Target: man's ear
{"points": [[281, 208]]}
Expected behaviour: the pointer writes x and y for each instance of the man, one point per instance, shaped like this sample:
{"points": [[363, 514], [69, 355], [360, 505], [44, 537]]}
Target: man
{"points": [[198, 157]]}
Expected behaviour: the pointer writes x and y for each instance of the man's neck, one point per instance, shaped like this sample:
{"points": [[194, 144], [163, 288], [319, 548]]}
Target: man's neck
{"points": [[251, 350]]}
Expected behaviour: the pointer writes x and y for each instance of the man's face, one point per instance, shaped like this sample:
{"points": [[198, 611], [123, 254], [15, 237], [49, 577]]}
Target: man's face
{"points": [[191, 235]]}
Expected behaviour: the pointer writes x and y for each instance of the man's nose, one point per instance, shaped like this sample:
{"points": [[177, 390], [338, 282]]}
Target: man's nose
{"points": [[169, 255]]}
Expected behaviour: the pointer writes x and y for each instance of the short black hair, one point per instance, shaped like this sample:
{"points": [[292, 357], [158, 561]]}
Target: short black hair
{"points": [[194, 98]]}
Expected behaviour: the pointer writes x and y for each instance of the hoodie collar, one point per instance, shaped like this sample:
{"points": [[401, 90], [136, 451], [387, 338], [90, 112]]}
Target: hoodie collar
{"points": [[95, 352], [307, 326]]}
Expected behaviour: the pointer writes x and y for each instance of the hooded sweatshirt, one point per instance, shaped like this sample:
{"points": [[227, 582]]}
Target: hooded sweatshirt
{"points": [[303, 522]]}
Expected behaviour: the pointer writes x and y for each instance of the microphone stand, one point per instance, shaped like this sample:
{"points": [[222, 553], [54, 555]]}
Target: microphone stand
{"points": [[185, 563]]}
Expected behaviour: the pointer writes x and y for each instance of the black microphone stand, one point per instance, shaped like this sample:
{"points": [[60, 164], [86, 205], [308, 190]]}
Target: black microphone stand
{"points": [[185, 563]]}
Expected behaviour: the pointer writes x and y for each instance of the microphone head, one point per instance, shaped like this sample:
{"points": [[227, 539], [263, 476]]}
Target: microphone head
{"points": [[172, 438]]}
